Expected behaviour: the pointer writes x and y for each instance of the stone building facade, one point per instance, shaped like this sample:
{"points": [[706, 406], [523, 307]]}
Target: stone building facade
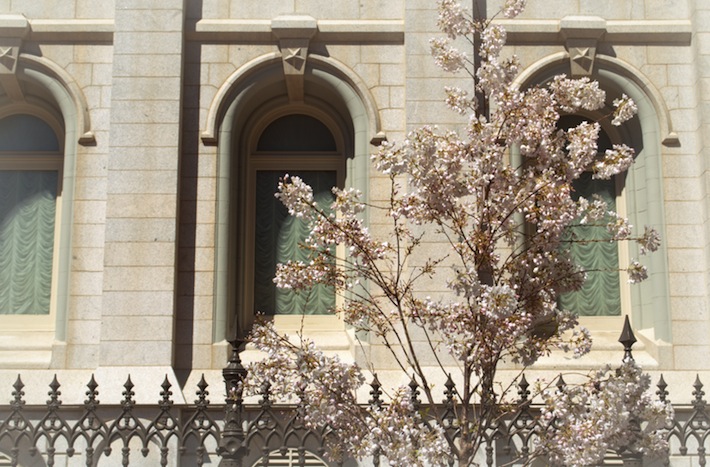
{"points": [[149, 113]]}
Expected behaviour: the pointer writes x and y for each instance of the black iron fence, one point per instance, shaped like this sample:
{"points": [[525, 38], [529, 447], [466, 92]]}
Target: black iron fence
{"points": [[232, 433]]}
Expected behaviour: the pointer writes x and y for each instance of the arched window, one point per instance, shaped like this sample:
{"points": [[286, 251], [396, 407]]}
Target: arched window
{"points": [[639, 191], [257, 127], [30, 183], [297, 144]]}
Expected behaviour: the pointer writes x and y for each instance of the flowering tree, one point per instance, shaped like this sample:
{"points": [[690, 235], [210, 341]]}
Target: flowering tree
{"points": [[507, 228]]}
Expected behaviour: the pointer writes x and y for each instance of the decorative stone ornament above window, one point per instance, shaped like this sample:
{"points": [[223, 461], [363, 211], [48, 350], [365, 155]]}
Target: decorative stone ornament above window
{"points": [[581, 34], [294, 34], [13, 29]]}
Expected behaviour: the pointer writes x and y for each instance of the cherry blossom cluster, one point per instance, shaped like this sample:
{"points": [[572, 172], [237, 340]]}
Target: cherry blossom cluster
{"points": [[613, 410]]}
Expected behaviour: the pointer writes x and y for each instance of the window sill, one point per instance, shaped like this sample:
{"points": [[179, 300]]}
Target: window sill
{"points": [[27, 349]]}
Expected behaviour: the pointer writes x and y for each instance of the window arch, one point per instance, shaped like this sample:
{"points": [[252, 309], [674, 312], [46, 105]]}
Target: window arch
{"points": [[249, 100], [643, 186], [45, 92]]}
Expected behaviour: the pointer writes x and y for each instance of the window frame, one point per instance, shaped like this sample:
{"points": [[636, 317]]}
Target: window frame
{"points": [[260, 160], [38, 161], [609, 322]]}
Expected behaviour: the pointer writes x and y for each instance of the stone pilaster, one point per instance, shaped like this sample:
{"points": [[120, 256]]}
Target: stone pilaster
{"points": [[142, 190]]}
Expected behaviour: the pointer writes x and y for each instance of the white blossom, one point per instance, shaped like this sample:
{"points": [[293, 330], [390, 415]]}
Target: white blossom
{"points": [[447, 57], [615, 161], [513, 8], [575, 94], [492, 40], [453, 20], [612, 411], [624, 109], [650, 241], [637, 272]]}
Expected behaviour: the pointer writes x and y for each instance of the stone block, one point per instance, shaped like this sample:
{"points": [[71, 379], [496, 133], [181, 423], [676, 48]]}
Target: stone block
{"points": [[681, 166], [89, 212], [82, 356], [195, 307], [669, 55], [682, 74], [392, 118], [203, 234], [80, 72], [207, 9], [84, 307], [93, 53], [682, 212], [91, 163], [197, 283], [137, 328], [138, 303], [667, 9], [691, 332], [88, 235], [391, 74], [154, 182], [686, 284], [689, 308], [192, 259], [193, 357], [684, 236], [154, 87], [101, 74], [194, 332], [126, 136], [86, 283], [87, 259], [382, 9], [84, 332], [685, 260], [681, 189], [135, 354], [141, 206], [140, 254], [129, 65], [156, 20], [692, 357], [137, 278], [90, 189], [147, 43], [44, 9], [383, 54], [140, 230]]}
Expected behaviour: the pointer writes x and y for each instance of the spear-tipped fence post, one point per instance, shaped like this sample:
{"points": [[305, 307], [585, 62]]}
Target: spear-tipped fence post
{"points": [[627, 339], [232, 448], [630, 455]]}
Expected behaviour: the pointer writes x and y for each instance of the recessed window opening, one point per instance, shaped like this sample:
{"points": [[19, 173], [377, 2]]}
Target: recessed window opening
{"points": [[30, 182], [298, 145], [590, 245]]}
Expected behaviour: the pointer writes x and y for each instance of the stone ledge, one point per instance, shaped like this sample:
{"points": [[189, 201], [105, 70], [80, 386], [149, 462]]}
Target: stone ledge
{"points": [[361, 31], [645, 32], [71, 30]]}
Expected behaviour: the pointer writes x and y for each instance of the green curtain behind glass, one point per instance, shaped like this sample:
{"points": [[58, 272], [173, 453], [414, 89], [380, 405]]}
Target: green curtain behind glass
{"points": [[27, 213], [600, 295], [277, 236]]}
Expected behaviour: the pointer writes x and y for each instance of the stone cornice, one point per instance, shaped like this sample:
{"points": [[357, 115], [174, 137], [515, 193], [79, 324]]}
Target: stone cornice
{"points": [[71, 30], [649, 32], [331, 31], [520, 31]]}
